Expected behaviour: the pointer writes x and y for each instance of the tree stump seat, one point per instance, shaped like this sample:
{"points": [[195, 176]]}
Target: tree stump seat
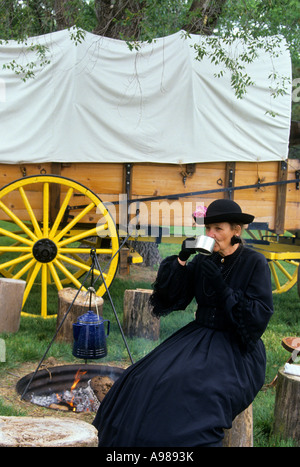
{"points": [[11, 298], [46, 432], [138, 320], [240, 435], [287, 406]]}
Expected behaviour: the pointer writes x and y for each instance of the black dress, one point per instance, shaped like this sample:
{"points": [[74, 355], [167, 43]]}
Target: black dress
{"points": [[192, 386]]}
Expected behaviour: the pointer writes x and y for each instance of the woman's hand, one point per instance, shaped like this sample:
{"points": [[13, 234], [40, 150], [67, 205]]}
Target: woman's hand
{"points": [[213, 274], [187, 250]]}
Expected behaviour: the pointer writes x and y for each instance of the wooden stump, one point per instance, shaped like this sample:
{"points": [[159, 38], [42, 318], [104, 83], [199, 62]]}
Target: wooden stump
{"points": [[79, 307], [241, 433], [287, 407], [46, 432], [138, 320], [11, 299]]}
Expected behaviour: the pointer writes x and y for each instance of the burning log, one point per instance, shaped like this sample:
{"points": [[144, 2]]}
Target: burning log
{"points": [[68, 386], [101, 385], [75, 399], [59, 407]]}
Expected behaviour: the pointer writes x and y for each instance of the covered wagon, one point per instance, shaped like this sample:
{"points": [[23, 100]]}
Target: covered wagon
{"points": [[108, 143]]}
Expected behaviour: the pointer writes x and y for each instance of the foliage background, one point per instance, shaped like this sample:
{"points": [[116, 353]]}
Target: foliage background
{"points": [[254, 21]]}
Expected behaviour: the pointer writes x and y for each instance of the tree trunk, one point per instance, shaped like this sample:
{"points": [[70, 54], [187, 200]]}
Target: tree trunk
{"points": [[63, 14], [241, 433], [113, 18], [287, 407], [138, 320], [204, 15], [121, 19]]}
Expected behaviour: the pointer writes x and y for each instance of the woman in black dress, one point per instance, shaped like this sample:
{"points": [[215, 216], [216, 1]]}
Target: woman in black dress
{"points": [[192, 386]]}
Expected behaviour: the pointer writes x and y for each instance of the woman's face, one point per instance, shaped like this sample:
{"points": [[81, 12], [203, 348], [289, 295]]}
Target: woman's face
{"points": [[222, 233]]}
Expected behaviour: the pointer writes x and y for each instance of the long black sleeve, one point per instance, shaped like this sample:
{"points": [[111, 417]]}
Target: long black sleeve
{"points": [[172, 288]]}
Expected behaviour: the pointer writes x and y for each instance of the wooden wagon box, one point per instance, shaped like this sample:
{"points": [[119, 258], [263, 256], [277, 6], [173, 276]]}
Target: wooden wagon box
{"points": [[173, 190]]}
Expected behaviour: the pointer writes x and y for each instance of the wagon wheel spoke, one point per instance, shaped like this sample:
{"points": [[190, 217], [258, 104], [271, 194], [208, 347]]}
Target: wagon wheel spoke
{"points": [[55, 277], [16, 237], [13, 262], [29, 209], [79, 264], [67, 273], [40, 247], [284, 274], [17, 221], [88, 233], [32, 277], [61, 212], [7, 234], [82, 258]]}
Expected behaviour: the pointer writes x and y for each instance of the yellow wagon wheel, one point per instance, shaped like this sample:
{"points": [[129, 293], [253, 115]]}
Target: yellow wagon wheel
{"points": [[284, 274], [46, 225], [283, 267]]}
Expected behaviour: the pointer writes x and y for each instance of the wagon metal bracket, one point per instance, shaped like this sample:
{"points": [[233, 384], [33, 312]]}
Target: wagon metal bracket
{"points": [[188, 172], [297, 176]]}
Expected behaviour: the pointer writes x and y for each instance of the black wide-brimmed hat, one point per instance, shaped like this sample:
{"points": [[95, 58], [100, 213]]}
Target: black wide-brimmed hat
{"points": [[226, 210]]}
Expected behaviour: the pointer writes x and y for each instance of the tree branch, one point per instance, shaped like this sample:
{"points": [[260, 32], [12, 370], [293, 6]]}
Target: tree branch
{"points": [[203, 16]]}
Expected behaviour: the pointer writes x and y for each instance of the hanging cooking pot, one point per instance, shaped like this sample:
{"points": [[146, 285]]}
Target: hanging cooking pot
{"points": [[89, 336]]}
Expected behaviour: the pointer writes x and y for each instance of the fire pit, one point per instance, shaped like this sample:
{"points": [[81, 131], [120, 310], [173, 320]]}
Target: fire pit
{"points": [[69, 387]]}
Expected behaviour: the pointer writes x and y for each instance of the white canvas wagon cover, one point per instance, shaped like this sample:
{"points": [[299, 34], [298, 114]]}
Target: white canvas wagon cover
{"points": [[98, 101]]}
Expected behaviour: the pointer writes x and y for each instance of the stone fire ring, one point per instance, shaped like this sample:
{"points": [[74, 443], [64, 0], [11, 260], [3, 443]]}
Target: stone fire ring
{"points": [[46, 432]]}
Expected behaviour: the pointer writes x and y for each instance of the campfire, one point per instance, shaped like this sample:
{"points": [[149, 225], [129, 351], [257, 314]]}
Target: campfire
{"points": [[71, 387], [81, 399]]}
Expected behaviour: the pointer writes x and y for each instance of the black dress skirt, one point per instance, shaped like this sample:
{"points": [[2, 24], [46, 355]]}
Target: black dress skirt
{"points": [[192, 386]]}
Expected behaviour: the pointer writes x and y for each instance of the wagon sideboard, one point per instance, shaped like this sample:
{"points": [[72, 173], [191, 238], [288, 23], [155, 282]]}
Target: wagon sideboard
{"points": [[277, 204], [181, 129]]}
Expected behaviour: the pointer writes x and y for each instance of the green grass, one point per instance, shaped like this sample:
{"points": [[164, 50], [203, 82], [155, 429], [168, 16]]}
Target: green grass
{"points": [[31, 341]]}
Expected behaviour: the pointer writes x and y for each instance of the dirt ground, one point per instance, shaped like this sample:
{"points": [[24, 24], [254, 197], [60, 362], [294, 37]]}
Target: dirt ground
{"points": [[141, 273], [11, 397]]}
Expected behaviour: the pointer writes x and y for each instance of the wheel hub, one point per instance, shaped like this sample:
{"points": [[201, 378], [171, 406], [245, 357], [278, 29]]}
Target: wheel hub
{"points": [[44, 250]]}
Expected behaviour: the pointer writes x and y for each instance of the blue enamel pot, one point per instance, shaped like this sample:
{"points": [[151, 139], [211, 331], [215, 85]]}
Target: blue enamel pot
{"points": [[90, 337]]}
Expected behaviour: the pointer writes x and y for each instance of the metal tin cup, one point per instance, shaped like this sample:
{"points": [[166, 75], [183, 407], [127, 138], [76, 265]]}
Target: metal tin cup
{"points": [[204, 245]]}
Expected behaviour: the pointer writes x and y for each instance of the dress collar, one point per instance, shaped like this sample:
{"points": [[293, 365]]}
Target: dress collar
{"points": [[219, 259]]}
